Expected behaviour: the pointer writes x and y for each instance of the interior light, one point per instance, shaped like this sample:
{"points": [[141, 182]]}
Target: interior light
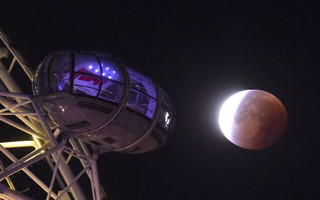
{"points": [[167, 119], [62, 108]]}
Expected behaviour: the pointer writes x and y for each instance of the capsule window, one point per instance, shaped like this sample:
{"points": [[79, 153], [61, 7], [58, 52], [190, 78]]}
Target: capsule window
{"points": [[86, 84], [41, 78], [87, 64], [61, 63], [165, 118], [142, 83], [40, 84], [111, 90], [166, 100], [111, 71], [45, 65], [142, 103], [60, 82]]}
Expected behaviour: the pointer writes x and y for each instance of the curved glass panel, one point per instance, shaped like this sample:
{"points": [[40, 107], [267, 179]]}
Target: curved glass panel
{"points": [[111, 90], [40, 84], [45, 65], [166, 100], [86, 64], [41, 77], [61, 63], [141, 83], [86, 84], [111, 71], [165, 118], [141, 103], [60, 82]]}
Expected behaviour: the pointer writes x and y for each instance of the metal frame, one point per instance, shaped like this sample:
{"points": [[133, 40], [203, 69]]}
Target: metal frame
{"points": [[22, 113]]}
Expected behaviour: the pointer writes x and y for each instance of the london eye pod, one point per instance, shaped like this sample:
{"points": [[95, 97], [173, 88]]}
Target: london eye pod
{"points": [[87, 98], [107, 105]]}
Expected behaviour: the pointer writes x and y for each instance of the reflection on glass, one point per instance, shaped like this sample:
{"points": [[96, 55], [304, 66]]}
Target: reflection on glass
{"points": [[87, 64], [41, 84], [141, 103], [141, 83], [111, 71], [166, 100], [60, 82], [86, 84], [61, 63], [45, 64], [165, 119], [111, 90]]}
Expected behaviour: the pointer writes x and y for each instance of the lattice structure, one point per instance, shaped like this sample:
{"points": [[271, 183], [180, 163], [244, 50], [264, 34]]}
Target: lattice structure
{"points": [[84, 104], [44, 142]]}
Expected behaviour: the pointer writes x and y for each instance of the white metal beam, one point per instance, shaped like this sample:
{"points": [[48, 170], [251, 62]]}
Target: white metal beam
{"points": [[27, 171], [19, 144]]}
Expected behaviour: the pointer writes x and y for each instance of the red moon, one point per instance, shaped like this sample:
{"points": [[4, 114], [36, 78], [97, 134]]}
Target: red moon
{"points": [[253, 119]]}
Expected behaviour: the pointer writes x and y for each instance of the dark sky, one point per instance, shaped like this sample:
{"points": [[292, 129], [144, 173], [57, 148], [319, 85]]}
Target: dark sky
{"points": [[200, 52]]}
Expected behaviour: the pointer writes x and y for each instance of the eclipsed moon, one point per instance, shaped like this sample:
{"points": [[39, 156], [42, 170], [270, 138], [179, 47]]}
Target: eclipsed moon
{"points": [[253, 119]]}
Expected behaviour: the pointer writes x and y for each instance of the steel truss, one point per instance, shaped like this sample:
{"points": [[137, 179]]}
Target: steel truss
{"points": [[45, 141]]}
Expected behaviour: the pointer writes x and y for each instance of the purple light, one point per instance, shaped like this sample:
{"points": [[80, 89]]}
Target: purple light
{"points": [[107, 68], [96, 70], [114, 72], [109, 77], [103, 74], [90, 67]]}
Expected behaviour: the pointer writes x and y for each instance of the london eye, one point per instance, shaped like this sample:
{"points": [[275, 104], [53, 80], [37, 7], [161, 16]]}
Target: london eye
{"points": [[83, 104]]}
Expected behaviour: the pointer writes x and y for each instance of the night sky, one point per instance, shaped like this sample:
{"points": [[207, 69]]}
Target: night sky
{"points": [[200, 52]]}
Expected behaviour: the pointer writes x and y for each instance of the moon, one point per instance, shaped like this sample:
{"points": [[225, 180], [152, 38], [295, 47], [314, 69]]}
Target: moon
{"points": [[253, 119]]}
